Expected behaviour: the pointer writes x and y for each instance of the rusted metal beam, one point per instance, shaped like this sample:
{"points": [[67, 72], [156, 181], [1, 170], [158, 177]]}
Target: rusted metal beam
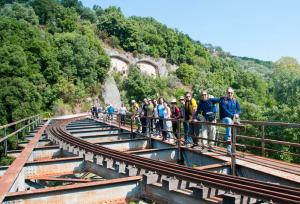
{"points": [[65, 173], [212, 166], [108, 191], [15, 168], [46, 178], [49, 160]]}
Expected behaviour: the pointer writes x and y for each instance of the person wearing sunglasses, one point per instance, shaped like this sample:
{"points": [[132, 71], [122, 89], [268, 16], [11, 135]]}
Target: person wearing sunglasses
{"points": [[190, 108], [229, 110], [208, 110]]}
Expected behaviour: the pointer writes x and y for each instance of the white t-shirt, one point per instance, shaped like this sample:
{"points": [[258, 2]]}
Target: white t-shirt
{"points": [[123, 110]]}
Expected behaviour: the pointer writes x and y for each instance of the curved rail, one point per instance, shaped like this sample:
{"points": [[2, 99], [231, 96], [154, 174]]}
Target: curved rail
{"points": [[242, 186]]}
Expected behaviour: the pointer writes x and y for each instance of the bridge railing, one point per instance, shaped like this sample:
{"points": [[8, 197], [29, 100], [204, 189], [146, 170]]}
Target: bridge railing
{"points": [[242, 138], [135, 122], [264, 140], [13, 129]]}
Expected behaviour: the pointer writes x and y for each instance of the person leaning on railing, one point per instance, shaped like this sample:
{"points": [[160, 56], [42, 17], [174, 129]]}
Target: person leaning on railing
{"points": [[161, 114], [155, 114], [175, 115], [123, 112], [190, 108], [207, 108], [136, 114], [110, 111], [144, 115], [229, 111], [150, 109]]}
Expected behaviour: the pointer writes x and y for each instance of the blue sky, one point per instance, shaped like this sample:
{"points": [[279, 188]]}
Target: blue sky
{"points": [[263, 29]]}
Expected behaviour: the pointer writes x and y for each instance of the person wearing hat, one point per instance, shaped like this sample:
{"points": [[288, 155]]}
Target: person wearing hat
{"points": [[175, 115]]}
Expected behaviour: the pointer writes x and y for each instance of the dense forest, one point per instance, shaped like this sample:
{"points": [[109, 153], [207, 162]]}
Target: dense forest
{"points": [[51, 57]]}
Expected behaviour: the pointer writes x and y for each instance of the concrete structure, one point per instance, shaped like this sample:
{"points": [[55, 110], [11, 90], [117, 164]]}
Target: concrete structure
{"points": [[120, 62]]}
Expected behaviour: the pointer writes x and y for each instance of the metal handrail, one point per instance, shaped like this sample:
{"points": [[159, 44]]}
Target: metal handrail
{"points": [[243, 124], [31, 121], [17, 122]]}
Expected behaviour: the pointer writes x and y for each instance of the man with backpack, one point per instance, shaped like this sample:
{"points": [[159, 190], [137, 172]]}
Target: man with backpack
{"points": [[208, 110], [229, 110]]}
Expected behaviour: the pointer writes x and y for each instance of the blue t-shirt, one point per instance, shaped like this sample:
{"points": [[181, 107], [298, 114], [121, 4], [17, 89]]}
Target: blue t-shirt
{"points": [[110, 109], [160, 110]]}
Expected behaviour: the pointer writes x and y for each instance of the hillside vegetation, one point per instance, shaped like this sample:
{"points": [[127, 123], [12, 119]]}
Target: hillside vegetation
{"points": [[51, 56]]}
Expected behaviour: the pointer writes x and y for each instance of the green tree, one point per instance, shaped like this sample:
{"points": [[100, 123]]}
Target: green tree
{"points": [[186, 73], [139, 86], [20, 11], [286, 81], [81, 57], [19, 98]]}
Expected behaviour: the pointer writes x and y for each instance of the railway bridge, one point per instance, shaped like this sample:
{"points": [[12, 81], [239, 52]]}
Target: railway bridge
{"points": [[78, 159]]}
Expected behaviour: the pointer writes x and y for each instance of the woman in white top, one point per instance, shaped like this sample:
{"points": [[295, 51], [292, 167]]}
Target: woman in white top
{"points": [[168, 123], [123, 111]]}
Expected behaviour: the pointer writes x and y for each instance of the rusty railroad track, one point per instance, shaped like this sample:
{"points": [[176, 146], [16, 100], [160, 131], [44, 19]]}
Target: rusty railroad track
{"points": [[241, 186]]}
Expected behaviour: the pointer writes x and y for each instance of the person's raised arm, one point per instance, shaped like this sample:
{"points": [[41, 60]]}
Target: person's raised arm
{"points": [[215, 100]]}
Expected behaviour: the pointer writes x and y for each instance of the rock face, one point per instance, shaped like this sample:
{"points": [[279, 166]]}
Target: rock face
{"points": [[111, 93], [120, 63]]}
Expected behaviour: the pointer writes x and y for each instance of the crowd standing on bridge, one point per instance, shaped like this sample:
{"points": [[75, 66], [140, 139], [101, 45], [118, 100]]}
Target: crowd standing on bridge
{"points": [[160, 118]]}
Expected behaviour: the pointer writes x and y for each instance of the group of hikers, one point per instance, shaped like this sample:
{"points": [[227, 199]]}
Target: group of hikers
{"points": [[159, 117], [97, 111]]}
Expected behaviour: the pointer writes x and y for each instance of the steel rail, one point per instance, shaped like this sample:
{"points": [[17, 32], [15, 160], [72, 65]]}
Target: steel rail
{"points": [[179, 166], [234, 186], [114, 151], [267, 163], [295, 171], [243, 186], [117, 152]]}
